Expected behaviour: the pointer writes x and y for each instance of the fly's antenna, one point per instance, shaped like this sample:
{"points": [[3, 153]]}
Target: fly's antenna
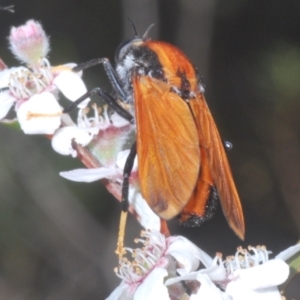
{"points": [[136, 35], [145, 36]]}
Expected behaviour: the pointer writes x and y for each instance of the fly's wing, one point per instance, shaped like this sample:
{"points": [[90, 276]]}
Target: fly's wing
{"points": [[210, 140], [202, 204], [167, 146]]}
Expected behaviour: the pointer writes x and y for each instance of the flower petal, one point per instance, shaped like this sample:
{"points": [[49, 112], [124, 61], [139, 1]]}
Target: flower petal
{"points": [[6, 102], [6, 73], [72, 86], [203, 257], [41, 114], [239, 290], [153, 286], [121, 160], [119, 293], [215, 273], [208, 290], [118, 121], [62, 139], [189, 255], [184, 252], [147, 218], [89, 175], [269, 274], [271, 293], [288, 253]]}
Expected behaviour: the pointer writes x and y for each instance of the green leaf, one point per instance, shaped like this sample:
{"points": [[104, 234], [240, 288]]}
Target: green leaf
{"points": [[294, 263], [13, 123]]}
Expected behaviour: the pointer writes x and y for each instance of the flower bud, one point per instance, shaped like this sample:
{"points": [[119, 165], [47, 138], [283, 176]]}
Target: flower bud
{"points": [[29, 42]]}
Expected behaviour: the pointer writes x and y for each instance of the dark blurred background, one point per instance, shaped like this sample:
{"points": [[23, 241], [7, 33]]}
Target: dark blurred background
{"points": [[57, 238]]}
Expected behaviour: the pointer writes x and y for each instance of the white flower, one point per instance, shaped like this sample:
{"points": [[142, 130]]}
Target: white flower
{"points": [[247, 276], [143, 278], [109, 133], [33, 90], [255, 276], [259, 282], [156, 265], [82, 134]]}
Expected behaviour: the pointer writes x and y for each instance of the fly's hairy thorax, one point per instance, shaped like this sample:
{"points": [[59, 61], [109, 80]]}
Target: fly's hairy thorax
{"points": [[161, 61]]}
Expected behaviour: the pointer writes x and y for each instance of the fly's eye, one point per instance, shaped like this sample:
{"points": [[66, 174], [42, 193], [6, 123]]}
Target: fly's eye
{"points": [[123, 48]]}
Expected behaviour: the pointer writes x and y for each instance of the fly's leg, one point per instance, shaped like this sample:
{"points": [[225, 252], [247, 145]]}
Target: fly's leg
{"points": [[107, 98], [126, 174], [125, 202], [111, 73]]}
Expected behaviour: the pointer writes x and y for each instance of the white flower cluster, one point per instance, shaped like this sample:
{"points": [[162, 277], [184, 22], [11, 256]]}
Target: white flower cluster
{"points": [[163, 267], [33, 90]]}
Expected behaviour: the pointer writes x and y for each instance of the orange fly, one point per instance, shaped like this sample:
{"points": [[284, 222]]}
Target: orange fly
{"points": [[182, 162]]}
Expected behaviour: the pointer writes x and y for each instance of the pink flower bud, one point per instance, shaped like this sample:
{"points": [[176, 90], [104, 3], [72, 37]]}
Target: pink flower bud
{"points": [[29, 42]]}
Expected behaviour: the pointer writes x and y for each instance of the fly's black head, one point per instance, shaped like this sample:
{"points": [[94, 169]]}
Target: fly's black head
{"points": [[135, 57], [124, 48]]}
